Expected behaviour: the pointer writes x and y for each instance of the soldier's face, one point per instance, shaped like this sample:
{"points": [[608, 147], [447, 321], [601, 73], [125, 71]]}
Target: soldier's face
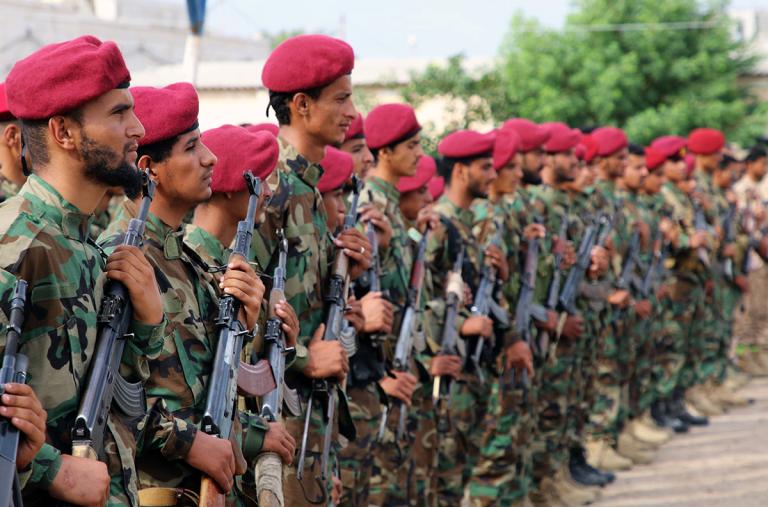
{"points": [[674, 170], [185, 176], [757, 168], [404, 157], [361, 155], [635, 172], [653, 182], [532, 163], [334, 208], [481, 175], [723, 177], [508, 178], [616, 163], [565, 166], [413, 202], [328, 118]]}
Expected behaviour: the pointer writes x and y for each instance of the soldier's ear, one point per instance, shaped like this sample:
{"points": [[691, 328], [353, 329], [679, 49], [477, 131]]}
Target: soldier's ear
{"points": [[11, 136], [145, 163], [300, 102], [61, 132]]}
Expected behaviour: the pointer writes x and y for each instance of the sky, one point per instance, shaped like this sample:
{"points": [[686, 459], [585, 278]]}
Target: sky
{"points": [[396, 28]]}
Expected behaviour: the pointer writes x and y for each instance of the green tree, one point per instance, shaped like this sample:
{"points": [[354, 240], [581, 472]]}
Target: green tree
{"points": [[653, 67]]}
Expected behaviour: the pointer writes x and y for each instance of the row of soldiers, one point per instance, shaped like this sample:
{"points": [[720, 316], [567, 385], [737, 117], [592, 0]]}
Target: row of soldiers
{"points": [[531, 311]]}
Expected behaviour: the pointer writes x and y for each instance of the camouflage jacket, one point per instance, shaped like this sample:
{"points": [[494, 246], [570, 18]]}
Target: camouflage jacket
{"points": [[46, 243], [7, 189], [297, 208], [178, 382], [683, 259]]}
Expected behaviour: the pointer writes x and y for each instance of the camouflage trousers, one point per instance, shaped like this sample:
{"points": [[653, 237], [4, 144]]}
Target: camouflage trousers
{"points": [[502, 473], [356, 459], [611, 383], [403, 472], [555, 379], [702, 341], [646, 372], [459, 444]]}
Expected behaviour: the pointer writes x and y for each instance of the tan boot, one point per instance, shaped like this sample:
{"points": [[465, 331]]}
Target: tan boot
{"points": [[572, 493], [725, 396], [647, 434], [648, 422], [698, 398], [632, 448], [749, 364], [601, 455], [546, 495]]}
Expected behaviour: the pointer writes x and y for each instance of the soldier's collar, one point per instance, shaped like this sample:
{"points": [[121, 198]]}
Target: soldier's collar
{"points": [[464, 216], [171, 239], [198, 238], [74, 223], [386, 188], [299, 165]]}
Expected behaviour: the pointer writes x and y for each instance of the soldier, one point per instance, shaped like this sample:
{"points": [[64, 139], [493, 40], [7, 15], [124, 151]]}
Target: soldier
{"points": [[392, 135], [415, 194], [174, 453], [238, 150], [81, 133], [467, 167], [354, 144], [11, 175], [308, 78], [502, 472]]}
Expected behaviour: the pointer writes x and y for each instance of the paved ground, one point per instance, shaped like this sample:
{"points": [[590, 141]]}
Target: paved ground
{"points": [[723, 464]]}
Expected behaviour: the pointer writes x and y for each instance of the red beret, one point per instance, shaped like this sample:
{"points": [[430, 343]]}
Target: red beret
{"points": [[389, 123], [609, 140], [436, 187], [561, 137], [355, 129], [61, 77], [425, 170], [264, 127], [237, 152], [705, 141], [654, 158], [590, 148], [166, 112], [5, 113], [506, 146], [532, 136], [580, 150], [669, 146], [466, 144], [307, 61], [337, 168]]}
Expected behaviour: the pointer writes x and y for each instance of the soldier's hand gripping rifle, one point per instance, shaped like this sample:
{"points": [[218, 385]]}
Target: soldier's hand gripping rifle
{"points": [[567, 299], [221, 402], [454, 294], [409, 325], [336, 298], [104, 382], [14, 370], [653, 273], [484, 304], [269, 465], [630, 261]]}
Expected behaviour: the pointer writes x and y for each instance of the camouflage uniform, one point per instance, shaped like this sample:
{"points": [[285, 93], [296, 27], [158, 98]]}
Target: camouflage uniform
{"points": [[458, 446], [7, 189], [394, 476], [502, 473], [297, 208], [46, 243]]}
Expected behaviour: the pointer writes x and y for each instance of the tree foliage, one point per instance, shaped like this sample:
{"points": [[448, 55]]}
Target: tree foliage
{"points": [[653, 67]]}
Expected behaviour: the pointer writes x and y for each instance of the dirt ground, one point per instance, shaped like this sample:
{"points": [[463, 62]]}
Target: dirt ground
{"points": [[723, 464]]}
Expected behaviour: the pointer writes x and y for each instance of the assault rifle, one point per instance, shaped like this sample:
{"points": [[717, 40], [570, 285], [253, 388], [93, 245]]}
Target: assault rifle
{"points": [[484, 304], [524, 302], [729, 233], [336, 298], [630, 261], [221, 402], [104, 382], [409, 325], [454, 293], [567, 299], [275, 350], [652, 274], [700, 224], [541, 344], [14, 369]]}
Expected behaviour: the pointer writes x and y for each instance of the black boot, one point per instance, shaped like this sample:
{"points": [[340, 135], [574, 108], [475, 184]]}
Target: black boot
{"points": [[678, 407], [585, 474], [665, 418], [673, 422]]}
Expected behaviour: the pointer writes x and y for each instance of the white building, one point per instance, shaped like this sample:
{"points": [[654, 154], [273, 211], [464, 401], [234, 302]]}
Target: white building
{"points": [[149, 32]]}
